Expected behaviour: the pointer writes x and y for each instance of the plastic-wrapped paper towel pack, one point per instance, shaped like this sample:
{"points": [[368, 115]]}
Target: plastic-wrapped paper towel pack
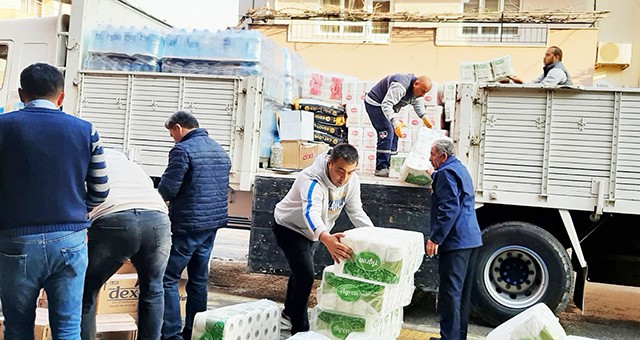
{"points": [[535, 323], [382, 255], [259, 320], [360, 297], [338, 326], [310, 335]]}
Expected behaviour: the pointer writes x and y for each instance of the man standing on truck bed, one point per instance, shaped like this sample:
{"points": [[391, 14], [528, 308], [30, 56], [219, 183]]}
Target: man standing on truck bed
{"points": [[306, 215], [195, 183], [455, 235], [52, 171], [553, 71], [383, 103]]}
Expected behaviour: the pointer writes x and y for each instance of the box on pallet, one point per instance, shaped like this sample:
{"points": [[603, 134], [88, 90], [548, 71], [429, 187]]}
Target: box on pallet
{"points": [[300, 154]]}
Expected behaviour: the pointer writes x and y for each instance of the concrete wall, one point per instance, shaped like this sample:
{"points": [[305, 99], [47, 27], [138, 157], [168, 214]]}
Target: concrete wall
{"points": [[413, 50], [621, 25]]}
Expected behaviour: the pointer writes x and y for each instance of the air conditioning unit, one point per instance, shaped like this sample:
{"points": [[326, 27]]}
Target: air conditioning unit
{"points": [[611, 53]]}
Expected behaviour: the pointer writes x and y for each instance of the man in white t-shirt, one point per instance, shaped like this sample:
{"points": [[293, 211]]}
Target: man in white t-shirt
{"points": [[133, 223]]}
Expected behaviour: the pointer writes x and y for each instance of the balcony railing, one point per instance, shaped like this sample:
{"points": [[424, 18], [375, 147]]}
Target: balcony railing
{"points": [[491, 34], [334, 31]]}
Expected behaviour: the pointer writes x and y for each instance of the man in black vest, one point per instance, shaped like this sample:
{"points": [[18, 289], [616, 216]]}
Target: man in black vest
{"points": [[383, 103], [553, 72]]}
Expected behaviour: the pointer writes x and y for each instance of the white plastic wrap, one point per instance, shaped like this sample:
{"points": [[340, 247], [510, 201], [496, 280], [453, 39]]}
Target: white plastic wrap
{"points": [[259, 320], [361, 297], [535, 323], [502, 68], [383, 255], [414, 169], [338, 326], [310, 335], [483, 72]]}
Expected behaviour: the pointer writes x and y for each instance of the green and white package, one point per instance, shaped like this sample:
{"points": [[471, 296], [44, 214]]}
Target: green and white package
{"points": [[383, 255], [360, 297], [259, 320], [338, 326]]}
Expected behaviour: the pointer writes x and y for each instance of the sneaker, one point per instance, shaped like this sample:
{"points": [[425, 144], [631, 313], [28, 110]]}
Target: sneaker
{"points": [[285, 322], [381, 173]]}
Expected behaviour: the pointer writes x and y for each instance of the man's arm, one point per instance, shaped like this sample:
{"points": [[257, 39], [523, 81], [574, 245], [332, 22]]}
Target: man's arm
{"points": [[446, 187], [312, 197], [97, 179], [554, 77], [354, 210], [393, 96], [171, 180]]}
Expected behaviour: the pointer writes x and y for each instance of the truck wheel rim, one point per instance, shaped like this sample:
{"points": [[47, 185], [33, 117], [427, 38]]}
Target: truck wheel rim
{"points": [[516, 277]]}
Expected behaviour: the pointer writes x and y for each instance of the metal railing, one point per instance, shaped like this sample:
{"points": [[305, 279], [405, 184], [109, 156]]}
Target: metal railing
{"points": [[491, 34], [334, 31]]}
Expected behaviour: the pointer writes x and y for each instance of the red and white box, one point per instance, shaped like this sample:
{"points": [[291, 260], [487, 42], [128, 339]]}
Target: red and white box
{"points": [[370, 138], [356, 137], [369, 162], [432, 98], [350, 93], [365, 121], [434, 114], [354, 115]]}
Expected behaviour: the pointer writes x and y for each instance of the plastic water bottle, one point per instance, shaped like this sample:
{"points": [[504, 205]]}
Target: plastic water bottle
{"points": [[130, 41], [277, 154], [253, 44], [154, 43]]}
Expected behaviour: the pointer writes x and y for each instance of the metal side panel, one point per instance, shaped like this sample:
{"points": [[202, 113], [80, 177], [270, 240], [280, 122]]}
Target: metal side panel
{"points": [[153, 100], [628, 171], [514, 135], [581, 142], [103, 102]]}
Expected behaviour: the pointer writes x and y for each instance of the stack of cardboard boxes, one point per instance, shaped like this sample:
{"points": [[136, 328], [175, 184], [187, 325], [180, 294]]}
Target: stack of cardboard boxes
{"points": [[295, 128], [362, 135], [116, 307]]}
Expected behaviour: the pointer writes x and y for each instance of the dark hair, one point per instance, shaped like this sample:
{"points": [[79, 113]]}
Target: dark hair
{"points": [[41, 80], [345, 151], [557, 51], [185, 119]]}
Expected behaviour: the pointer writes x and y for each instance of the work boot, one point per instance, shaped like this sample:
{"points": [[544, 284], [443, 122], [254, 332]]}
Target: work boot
{"points": [[382, 172]]}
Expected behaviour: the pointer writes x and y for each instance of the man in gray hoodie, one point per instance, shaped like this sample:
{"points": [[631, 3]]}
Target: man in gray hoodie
{"points": [[307, 214]]}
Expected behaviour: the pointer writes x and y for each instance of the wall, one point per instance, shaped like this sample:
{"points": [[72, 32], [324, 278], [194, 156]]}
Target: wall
{"points": [[413, 50], [573, 5], [621, 25], [421, 6]]}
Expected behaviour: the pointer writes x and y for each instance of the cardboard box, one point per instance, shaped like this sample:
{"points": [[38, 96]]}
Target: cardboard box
{"points": [[295, 125], [370, 139], [369, 162], [365, 121], [127, 268], [116, 327], [350, 93], [354, 115], [300, 154], [119, 295], [431, 98], [41, 329]]}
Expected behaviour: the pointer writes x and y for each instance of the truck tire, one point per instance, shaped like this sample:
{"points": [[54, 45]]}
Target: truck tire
{"points": [[518, 266]]}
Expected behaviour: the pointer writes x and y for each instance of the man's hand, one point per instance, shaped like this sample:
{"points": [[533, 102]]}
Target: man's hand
{"points": [[427, 122], [432, 248], [398, 129], [337, 250]]}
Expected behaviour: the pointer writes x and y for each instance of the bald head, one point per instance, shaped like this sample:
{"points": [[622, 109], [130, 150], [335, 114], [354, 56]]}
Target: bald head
{"points": [[421, 86]]}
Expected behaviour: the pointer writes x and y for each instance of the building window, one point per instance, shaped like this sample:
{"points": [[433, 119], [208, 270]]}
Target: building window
{"points": [[491, 34], [32, 7], [481, 6], [4, 53]]}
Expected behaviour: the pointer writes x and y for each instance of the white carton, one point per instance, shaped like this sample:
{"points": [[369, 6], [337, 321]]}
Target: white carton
{"points": [[431, 97], [370, 138], [369, 161], [295, 125], [365, 121], [350, 93], [449, 91], [434, 114], [502, 68], [354, 114]]}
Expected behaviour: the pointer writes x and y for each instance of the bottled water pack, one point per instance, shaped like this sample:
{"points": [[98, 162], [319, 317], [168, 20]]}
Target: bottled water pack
{"points": [[259, 320]]}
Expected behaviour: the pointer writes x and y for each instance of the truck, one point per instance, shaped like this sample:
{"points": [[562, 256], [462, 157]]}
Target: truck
{"points": [[554, 168]]}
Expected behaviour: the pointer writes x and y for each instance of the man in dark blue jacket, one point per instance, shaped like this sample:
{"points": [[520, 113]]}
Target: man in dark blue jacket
{"points": [[195, 184], [455, 235]]}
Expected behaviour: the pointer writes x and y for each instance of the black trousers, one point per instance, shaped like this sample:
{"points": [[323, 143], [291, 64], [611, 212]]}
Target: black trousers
{"points": [[456, 269], [299, 252]]}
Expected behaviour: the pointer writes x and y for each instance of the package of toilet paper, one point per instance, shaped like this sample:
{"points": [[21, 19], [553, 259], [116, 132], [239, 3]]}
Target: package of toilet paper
{"points": [[383, 255], [361, 297], [259, 320], [310, 335], [338, 326]]}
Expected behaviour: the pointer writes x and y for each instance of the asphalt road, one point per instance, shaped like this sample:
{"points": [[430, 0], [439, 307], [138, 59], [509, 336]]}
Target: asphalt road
{"points": [[612, 312]]}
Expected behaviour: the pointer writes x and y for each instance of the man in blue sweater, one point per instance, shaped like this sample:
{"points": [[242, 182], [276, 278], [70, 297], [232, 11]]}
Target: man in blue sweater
{"points": [[47, 158], [455, 235], [195, 183]]}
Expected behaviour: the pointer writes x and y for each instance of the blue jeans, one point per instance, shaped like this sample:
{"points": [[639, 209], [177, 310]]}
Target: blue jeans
{"points": [[387, 139], [144, 236], [190, 250], [54, 261]]}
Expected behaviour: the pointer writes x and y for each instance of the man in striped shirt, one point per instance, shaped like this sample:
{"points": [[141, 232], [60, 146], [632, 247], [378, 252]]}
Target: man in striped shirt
{"points": [[52, 171]]}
